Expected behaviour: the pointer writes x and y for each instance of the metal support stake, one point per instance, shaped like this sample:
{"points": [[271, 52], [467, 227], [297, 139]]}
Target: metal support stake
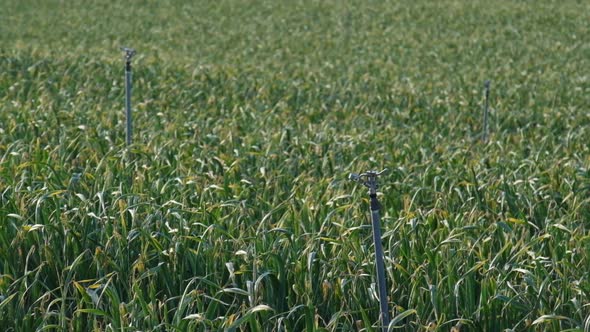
{"points": [[129, 53], [485, 111], [369, 180]]}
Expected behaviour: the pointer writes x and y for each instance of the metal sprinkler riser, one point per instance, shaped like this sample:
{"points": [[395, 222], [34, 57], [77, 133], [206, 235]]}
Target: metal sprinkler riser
{"points": [[369, 180], [129, 53]]}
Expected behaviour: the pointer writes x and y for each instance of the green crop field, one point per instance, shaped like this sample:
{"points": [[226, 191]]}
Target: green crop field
{"points": [[232, 209]]}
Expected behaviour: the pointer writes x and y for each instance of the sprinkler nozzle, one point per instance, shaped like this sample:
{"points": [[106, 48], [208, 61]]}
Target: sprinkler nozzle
{"points": [[354, 177]]}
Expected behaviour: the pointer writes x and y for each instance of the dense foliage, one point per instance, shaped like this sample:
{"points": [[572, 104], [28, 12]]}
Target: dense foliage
{"points": [[232, 209]]}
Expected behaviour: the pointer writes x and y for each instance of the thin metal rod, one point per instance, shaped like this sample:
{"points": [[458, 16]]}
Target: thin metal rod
{"points": [[129, 53], [369, 179], [379, 263], [129, 130], [486, 111]]}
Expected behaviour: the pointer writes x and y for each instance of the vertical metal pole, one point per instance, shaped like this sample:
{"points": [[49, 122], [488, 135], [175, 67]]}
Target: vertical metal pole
{"points": [[485, 111], [371, 183], [379, 263], [129, 53], [128, 102]]}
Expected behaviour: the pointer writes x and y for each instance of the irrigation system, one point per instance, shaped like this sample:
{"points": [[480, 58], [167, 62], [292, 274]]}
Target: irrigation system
{"points": [[129, 53], [369, 180], [486, 87]]}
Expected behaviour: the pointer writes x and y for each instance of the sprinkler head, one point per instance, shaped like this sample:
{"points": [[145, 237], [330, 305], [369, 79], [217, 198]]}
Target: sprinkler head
{"points": [[129, 53], [368, 179], [368, 174]]}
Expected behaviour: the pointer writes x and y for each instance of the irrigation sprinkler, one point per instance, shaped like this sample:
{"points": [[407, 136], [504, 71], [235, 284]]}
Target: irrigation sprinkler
{"points": [[129, 53], [484, 135], [369, 180]]}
